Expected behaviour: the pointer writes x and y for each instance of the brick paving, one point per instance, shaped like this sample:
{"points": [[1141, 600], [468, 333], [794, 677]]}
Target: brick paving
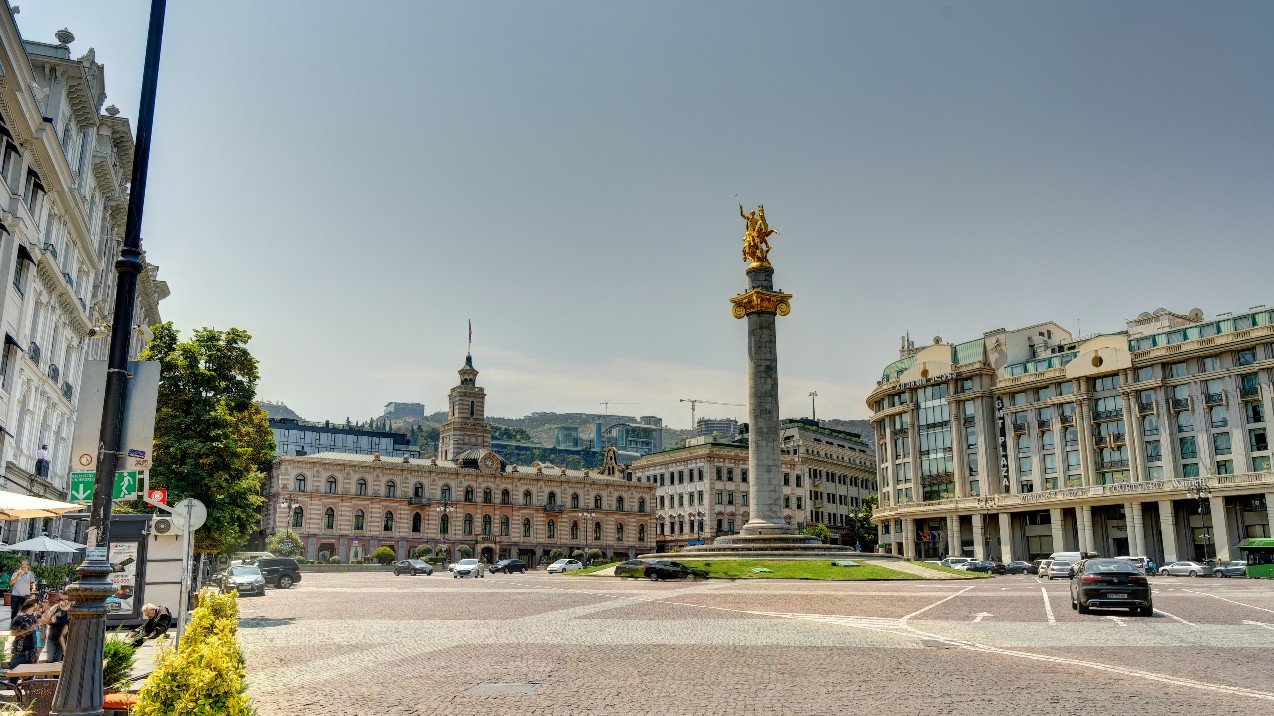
{"points": [[340, 644]]}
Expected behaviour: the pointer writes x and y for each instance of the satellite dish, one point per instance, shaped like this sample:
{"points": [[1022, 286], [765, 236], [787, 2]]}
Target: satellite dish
{"points": [[192, 508]]}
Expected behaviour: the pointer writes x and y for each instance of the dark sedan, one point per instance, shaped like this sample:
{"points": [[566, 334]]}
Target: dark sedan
{"points": [[413, 567], [983, 566], [654, 569], [508, 566], [1019, 568], [1110, 583]]}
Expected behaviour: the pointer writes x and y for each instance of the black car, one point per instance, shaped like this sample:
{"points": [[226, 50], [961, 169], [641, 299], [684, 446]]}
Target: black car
{"points": [[413, 567], [981, 566], [1019, 568], [655, 569], [281, 572], [1110, 583], [509, 566]]}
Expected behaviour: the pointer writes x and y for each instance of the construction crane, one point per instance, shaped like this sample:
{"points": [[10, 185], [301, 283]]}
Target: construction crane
{"points": [[695, 401], [607, 403]]}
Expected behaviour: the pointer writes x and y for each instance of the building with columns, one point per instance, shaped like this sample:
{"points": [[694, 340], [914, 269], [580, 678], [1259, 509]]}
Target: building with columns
{"points": [[1151, 441], [346, 505]]}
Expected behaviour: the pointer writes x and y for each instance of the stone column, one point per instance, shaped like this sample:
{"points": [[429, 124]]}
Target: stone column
{"points": [[1269, 513], [1168, 528], [1006, 537], [1220, 529], [1055, 522], [1136, 530], [1132, 434], [1084, 425], [979, 535], [765, 469], [953, 535], [1086, 529], [909, 538]]}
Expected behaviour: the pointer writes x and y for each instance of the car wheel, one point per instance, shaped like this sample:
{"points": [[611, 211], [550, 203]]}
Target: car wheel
{"points": [[396, 573], [1193, 573], [1082, 608], [413, 572], [284, 582], [653, 576], [524, 570], [1163, 573], [1074, 605]]}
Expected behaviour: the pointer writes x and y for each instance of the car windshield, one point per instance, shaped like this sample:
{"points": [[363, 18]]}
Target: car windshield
{"points": [[245, 572], [1109, 565], [561, 561], [1060, 564], [415, 562], [468, 562]]}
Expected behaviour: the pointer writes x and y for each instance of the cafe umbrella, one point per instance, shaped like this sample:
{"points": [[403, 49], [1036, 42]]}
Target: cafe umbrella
{"points": [[14, 506]]}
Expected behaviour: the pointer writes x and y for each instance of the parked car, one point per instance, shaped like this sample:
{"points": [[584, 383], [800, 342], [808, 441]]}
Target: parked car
{"points": [[1111, 583], [1018, 567], [952, 562], [509, 566], [413, 567], [1231, 569], [1043, 568], [564, 565], [468, 568], [248, 557], [1142, 563], [655, 569], [1187, 569], [1058, 569], [988, 566], [281, 572], [243, 578]]}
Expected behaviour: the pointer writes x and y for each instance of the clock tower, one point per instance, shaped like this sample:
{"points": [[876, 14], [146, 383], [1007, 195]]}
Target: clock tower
{"points": [[466, 427]]}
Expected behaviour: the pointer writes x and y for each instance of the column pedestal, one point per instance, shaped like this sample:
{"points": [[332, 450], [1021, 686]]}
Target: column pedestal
{"points": [[979, 536], [1006, 537], [1220, 529], [1168, 528]]}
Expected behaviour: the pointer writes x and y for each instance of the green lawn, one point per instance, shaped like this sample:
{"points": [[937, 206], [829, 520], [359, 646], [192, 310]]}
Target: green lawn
{"points": [[948, 570], [594, 568], [794, 569]]}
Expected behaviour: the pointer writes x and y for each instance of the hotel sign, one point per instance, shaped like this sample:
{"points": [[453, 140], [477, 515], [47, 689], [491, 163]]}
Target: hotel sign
{"points": [[926, 381], [1000, 420]]}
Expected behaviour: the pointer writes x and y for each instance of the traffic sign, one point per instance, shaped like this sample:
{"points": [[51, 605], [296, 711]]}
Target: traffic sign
{"points": [[160, 496], [83, 484]]}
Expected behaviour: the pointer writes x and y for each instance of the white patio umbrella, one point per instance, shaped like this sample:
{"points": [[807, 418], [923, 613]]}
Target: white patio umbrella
{"points": [[14, 506], [38, 544], [69, 543]]}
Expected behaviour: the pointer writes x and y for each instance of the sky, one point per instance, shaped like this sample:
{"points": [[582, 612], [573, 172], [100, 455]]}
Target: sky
{"points": [[353, 182]]}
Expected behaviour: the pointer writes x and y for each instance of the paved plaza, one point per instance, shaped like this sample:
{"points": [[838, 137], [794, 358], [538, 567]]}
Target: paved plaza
{"points": [[378, 644]]}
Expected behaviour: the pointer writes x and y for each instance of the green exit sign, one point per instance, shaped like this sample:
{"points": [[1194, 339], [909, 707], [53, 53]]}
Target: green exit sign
{"points": [[83, 485]]}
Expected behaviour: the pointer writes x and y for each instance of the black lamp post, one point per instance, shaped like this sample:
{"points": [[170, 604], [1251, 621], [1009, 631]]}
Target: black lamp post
{"points": [[986, 504], [79, 690], [443, 509], [1199, 490]]}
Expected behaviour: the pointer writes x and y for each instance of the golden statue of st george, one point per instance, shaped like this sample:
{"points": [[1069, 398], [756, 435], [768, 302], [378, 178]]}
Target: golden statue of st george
{"points": [[756, 244]]}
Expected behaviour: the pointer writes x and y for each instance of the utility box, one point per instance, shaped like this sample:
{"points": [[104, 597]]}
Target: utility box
{"points": [[146, 555]]}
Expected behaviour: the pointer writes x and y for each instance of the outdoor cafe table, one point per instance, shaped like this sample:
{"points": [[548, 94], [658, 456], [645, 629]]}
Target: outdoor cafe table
{"points": [[26, 671]]}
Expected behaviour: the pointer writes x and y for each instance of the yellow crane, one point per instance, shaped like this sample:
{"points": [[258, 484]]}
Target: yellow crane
{"points": [[695, 401]]}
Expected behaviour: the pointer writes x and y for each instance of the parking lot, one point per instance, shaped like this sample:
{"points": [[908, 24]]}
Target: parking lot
{"points": [[374, 643]]}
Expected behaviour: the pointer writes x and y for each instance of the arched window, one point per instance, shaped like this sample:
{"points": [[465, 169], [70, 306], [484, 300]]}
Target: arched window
{"points": [[446, 493], [389, 521], [574, 530], [468, 494], [619, 532], [360, 487], [391, 490], [641, 533], [551, 499], [416, 522], [597, 531], [329, 519], [574, 500], [641, 504], [358, 520], [486, 525], [504, 497], [298, 517], [471, 404], [418, 490], [331, 485], [444, 525], [300, 483], [486, 495], [468, 524], [619, 504], [504, 526], [526, 498], [597, 502], [552, 530], [526, 527]]}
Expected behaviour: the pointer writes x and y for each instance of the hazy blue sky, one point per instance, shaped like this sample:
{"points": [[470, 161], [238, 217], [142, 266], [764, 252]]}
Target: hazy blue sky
{"points": [[352, 181]]}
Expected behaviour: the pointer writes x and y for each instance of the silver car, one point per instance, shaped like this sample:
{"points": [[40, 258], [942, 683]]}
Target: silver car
{"points": [[1058, 569], [1187, 569], [468, 568]]}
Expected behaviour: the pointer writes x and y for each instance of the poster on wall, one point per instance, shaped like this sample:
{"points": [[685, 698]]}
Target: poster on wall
{"points": [[123, 559]]}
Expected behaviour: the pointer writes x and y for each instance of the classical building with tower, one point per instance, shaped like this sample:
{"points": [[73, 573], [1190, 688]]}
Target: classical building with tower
{"points": [[346, 505], [1151, 441]]}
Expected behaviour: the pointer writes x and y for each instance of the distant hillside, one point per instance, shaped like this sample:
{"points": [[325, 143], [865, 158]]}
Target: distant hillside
{"points": [[277, 410], [862, 427]]}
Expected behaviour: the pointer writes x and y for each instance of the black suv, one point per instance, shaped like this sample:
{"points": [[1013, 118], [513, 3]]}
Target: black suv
{"points": [[281, 572]]}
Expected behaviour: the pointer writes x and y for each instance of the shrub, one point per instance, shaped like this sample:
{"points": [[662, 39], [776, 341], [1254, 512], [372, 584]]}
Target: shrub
{"points": [[821, 531], [120, 656], [216, 612], [555, 554], [274, 544], [205, 678], [578, 555], [384, 555], [594, 555], [420, 551], [465, 551], [334, 560]]}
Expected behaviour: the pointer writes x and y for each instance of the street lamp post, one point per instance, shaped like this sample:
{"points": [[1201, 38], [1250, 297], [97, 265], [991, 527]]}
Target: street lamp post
{"points": [[813, 407], [986, 504], [79, 690], [444, 507], [587, 514], [699, 524], [1199, 490]]}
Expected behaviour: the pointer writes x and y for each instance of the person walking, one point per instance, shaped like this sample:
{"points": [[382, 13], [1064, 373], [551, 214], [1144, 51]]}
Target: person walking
{"points": [[42, 461], [23, 629], [22, 585], [57, 617]]}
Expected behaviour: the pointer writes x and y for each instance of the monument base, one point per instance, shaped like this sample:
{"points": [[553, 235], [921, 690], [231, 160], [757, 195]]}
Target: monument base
{"points": [[769, 547]]}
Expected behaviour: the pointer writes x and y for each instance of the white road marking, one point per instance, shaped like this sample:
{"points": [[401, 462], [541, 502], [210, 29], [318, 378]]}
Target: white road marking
{"points": [[1048, 606], [1174, 616], [1231, 601], [980, 616], [1260, 624], [931, 606], [1117, 620]]}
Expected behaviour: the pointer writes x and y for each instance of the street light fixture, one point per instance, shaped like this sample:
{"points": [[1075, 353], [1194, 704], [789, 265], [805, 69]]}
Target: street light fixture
{"points": [[699, 523], [986, 504], [1200, 490], [587, 514], [444, 507]]}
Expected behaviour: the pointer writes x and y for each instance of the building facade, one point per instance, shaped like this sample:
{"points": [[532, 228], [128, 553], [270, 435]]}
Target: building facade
{"points": [[347, 505], [1151, 441], [64, 168], [303, 437], [396, 411], [716, 426], [642, 437], [702, 487]]}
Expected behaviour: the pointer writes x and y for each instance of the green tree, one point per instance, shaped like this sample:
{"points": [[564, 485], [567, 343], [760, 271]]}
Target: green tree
{"points": [[821, 531], [863, 530], [212, 441], [384, 555], [284, 543]]}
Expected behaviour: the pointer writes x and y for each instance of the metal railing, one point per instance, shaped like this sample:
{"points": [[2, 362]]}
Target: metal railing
{"points": [[69, 281], [51, 250], [413, 500], [1213, 398], [1145, 408], [555, 508], [1068, 419], [1253, 392], [969, 421], [1180, 403], [1111, 464], [1019, 427], [1108, 414]]}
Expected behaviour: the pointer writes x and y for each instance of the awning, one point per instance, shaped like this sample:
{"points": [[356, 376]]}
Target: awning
{"points": [[24, 254], [8, 338]]}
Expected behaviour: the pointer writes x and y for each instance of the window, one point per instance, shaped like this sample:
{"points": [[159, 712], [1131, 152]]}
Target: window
{"points": [[743, 475], [551, 530], [1221, 443], [418, 490], [574, 530], [504, 497], [389, 522], [619, 532], [1260, 463], [1217, 416], [619, 503], [1050, 463], [1225, 467], [574, 500], [718, 473], [729, 474], [360, 487], [1046, 440], [1149, 425], [1046, 392], [729, 498], [641, 504], [971, 438], [298, 517], [597, 531], [1257, 441], [1189, 449], [504, 526], [446, 493], [358, 520], [1177, 370], [526, 527], [1154, 452], [526, 497], [1190, 469], [444, 525], [486, 495], [486, 525], [1209, 364], [331, 485], [552, 499], [468, 494], [597, 502], [1247, 357], [417, 522], [1024, 466], [468, 524], [1185, 422], [1255, 412], [1146, 373], [1109, 382], [391, 490], [1071, 437], [1023, 445], [300, 483], [329, 519], [973, 464], [641, 533], [1019, 398], [1072, 461]]}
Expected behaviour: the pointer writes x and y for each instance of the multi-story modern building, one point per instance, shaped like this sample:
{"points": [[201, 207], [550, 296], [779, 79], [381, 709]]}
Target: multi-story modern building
{"points": [[1151, 441], [396, 411], [64, 170], [347, 505], [642, 437], [304, 437], [716, 426], [702, 487]]}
